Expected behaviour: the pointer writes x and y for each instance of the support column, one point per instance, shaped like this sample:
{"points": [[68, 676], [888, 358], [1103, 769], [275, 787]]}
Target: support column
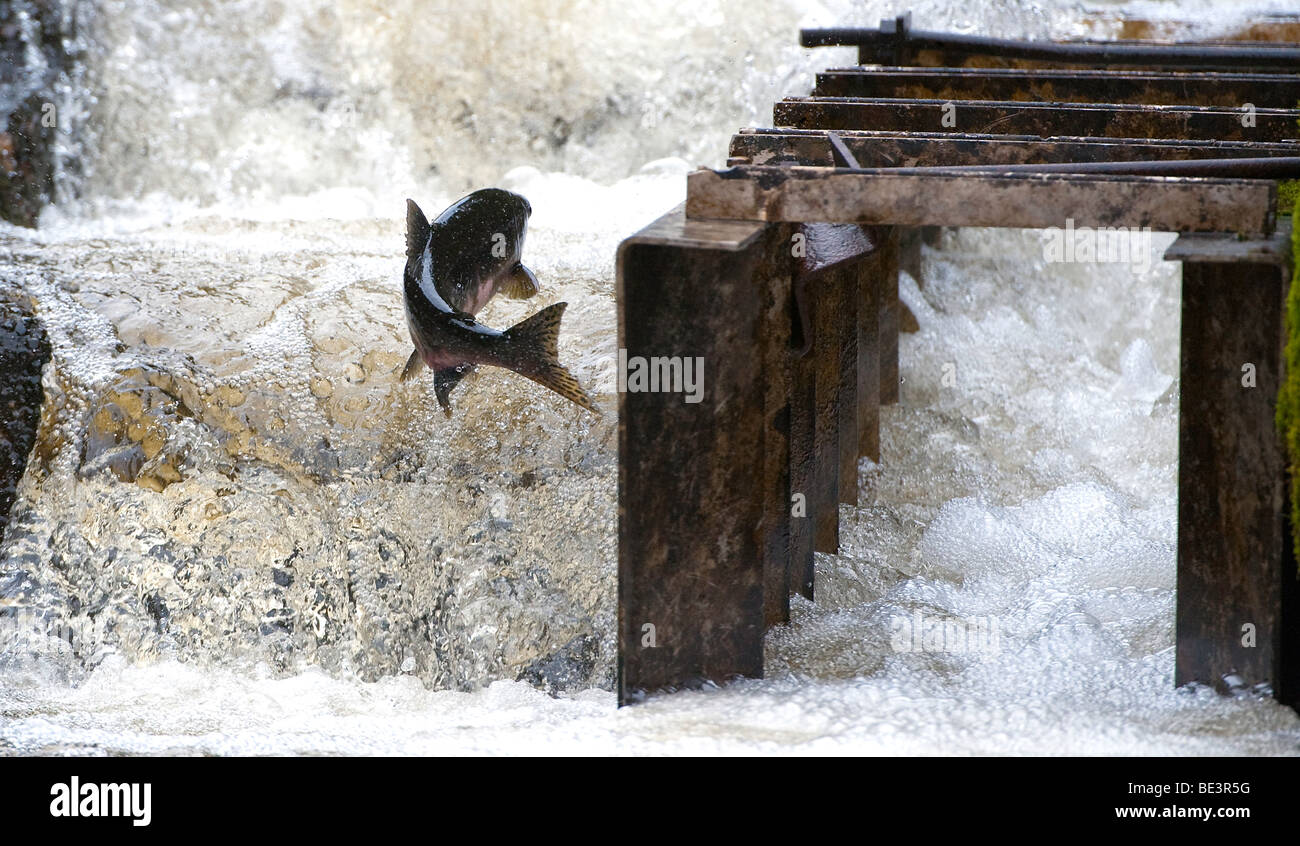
{"points": [[1236, 568], [888, 305], [695, 498]]}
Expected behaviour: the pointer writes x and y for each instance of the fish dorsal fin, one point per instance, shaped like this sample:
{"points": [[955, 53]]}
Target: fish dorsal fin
{"points": [[417, 230]]}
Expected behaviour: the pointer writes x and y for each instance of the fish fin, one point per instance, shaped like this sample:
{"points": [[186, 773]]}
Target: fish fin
{"points": [[414, 365], [519, 283], [445, 380], [417, 230], [538, 358]]}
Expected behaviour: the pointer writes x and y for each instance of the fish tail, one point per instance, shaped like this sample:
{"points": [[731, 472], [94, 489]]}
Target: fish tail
{"points": [[534, 354]]}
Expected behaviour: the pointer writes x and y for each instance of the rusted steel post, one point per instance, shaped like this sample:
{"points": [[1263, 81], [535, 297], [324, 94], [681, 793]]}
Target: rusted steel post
{"points": [[829, 280], [847, 426], [774, 286], [1236, 569], [888, 310], [873, 273], [694, 491], [803, 416], [828, 340]]}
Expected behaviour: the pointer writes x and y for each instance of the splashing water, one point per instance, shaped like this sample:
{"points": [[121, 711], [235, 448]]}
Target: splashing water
{"points": [[239, 533]]}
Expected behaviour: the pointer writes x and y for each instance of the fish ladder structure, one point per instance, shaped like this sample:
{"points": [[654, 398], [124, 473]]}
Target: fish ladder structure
{"points": [[781, 270]]}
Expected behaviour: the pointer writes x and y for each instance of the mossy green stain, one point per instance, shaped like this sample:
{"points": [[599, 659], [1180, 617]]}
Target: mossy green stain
{"points": [[1288, 399], [1287, 415], [1288, 193]]}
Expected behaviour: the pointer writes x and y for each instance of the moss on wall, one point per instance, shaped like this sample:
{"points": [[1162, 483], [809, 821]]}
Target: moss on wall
{"points": [[1288, 399], [1288, 192]]}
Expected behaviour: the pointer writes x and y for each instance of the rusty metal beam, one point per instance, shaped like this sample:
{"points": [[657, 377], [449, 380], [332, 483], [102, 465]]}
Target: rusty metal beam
{"points": [[693, 489], [895, 43], [1276, 167], [1237, 597], [1231, 90], [929, 149], [1114, 120], [1009, 200]]}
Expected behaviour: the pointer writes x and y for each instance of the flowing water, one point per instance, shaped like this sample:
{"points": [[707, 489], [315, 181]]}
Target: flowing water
{"points": [[238, 533]]}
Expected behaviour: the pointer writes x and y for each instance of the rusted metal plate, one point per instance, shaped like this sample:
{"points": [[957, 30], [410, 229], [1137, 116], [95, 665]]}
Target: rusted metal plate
{"points": [[674, 229], [692, 483], [1236, 570], [1114, 120], [1034, 201], [1232, 90], [928, 149]]}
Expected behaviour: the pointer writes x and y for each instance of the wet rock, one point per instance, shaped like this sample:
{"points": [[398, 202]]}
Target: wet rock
{"points": [[24, 351], [569, 667], [141, 430], [32, 56], [227, 470], [26, 162]]}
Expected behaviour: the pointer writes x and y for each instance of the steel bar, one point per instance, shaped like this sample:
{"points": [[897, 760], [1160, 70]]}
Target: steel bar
{"points": [[930, 149], [1281, 167], [1233, 90], [842, 155], [1115, 120], [899, 47]]}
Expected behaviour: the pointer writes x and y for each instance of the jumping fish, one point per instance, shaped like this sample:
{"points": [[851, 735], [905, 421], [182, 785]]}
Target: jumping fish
{"points": [[454, 265]]}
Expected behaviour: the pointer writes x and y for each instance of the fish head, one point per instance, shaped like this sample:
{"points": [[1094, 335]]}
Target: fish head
{"points": [[476, 241]]}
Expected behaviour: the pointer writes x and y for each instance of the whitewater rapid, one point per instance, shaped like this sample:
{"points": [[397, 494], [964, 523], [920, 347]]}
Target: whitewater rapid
{"points": [[316, 561]]}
